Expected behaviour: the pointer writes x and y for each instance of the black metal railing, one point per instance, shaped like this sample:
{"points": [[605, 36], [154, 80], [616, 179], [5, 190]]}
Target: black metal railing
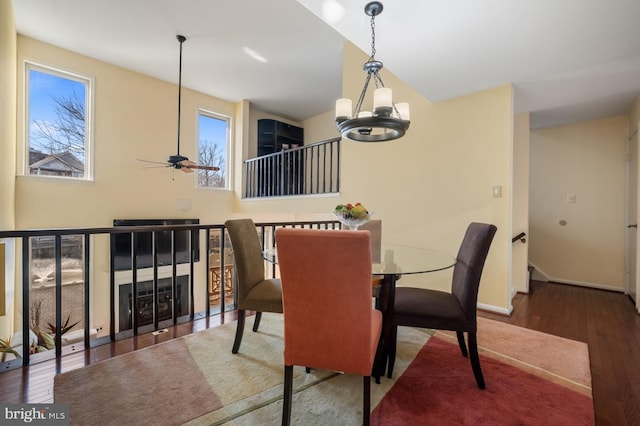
{"points": [[214, 235], [521, 236], [309, 169]]}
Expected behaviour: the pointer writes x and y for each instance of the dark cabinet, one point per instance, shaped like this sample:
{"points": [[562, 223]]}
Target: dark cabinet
{"points": [[274, 136], [283, 172]]}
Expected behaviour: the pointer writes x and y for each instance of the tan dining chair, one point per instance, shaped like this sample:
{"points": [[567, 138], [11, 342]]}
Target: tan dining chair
{"points": [[455, 310], [375, 230], [255, 291], [329, 323]]}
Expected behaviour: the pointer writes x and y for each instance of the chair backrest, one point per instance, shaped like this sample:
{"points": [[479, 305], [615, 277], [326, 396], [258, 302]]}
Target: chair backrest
{"points": [[326, 295], [470, 262], [247, 253], [375, 230]]}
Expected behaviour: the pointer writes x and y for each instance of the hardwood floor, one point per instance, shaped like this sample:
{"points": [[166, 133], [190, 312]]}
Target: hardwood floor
{"points": [[606, 321]]}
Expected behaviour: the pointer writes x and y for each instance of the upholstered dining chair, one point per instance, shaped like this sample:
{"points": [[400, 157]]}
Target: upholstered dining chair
{"points": [[255, 291], [329, 323], [375, 230], [455, 310]]}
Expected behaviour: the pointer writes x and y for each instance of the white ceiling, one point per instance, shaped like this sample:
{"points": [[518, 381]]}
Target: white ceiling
{"points": [[569, 60]]}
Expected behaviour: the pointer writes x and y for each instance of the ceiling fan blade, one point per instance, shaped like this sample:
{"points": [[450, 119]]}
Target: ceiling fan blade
{"points": [[188, 164], [154, 162], [157, 167]]}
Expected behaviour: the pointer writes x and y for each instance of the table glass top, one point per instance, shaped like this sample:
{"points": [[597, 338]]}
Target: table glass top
{"points": [[398, 259]]}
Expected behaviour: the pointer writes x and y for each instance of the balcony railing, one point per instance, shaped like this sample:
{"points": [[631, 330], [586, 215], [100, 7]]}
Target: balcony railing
{"points": [[151, 301], [309, 169]]}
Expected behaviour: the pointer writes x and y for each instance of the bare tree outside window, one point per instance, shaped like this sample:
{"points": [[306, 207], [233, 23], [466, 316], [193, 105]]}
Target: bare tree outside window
{"points": [[67, 132], [213, 145], [211, 155]]}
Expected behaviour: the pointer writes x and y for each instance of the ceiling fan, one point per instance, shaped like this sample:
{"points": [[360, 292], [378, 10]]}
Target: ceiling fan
{"points": [[180, 162]]}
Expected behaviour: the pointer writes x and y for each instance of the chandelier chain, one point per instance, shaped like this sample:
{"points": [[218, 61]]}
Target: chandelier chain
{"points": [[373, 37]]}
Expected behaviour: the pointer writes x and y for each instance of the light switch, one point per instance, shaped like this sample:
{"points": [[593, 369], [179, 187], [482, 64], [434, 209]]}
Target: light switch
{"points": [[571, 198], [497, 191]]}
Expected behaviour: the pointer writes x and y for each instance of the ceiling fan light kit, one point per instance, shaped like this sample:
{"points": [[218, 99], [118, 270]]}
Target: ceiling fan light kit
{"points": [[388, 120], [180, 162]]}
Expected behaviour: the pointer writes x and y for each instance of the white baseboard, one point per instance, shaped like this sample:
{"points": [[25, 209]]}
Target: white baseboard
{"points": [[496, 309], [587, 284], [540, 275]]}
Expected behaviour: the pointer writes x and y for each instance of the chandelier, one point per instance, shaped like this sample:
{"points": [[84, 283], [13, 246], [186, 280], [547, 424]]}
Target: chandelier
{"points": [[387, 121]]}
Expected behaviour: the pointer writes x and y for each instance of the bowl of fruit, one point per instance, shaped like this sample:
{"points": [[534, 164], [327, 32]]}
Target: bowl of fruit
{"points": [[352, 215]]}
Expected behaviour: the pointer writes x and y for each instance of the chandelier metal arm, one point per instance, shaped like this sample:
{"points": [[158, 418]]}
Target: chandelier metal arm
{"points": [[362, 95]]}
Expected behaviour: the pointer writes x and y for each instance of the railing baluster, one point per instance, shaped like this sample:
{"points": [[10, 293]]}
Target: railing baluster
{"points": [[308, 169], [26, 283], [58, 304], [135, 326], [86, 279]]}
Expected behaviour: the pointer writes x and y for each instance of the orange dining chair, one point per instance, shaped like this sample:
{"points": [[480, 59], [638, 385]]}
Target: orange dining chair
{"points": [[455, 310], [255, 291], [329, 323]]}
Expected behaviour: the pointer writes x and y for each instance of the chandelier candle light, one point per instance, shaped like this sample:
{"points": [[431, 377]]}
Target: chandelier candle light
{"points": [[388, 121]]}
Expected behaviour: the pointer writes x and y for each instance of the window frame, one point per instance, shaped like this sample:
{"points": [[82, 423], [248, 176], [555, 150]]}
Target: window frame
{"points": [[228, 145], [89, 83]]}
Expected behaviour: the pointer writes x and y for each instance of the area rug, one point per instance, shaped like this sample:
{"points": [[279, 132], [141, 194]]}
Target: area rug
{"points": [[196, 380]]}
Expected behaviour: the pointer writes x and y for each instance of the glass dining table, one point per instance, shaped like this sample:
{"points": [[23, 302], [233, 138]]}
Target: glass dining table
{"points": [[390, 263]]}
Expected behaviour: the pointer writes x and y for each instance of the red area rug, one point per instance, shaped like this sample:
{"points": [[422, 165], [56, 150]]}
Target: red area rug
{"points": [[439, 388]]}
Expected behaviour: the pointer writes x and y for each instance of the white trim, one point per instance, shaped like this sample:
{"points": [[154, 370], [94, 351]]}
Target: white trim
{"points": [[548, 278], [496, 309], [228, 148], [587, 284], [89, 83]]}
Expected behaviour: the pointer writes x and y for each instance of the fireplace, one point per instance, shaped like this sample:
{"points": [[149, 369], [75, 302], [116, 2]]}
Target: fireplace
{"points": [[148, 305]]}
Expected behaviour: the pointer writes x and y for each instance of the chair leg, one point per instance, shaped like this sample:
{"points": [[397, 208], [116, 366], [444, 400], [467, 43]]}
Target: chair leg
{"points": [[379, 362], [475, 360], [463, 346], [288, 391], [239, 331], [256, 322], [392, 349], [366, 402]]}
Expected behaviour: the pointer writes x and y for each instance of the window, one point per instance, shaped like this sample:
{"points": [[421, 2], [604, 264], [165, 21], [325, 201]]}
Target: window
{"points": [[213, 150], [57, 123]]}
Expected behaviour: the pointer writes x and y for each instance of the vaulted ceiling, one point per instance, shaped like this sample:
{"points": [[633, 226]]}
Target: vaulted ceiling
{"points": [[569, 60]]}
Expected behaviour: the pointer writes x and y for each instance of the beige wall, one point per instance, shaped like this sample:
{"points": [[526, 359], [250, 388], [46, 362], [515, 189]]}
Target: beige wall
{"points": [[134, 117], [586, 159], [7, 113], [7, 152], [520, 207], [427, 186], [320, 128]]}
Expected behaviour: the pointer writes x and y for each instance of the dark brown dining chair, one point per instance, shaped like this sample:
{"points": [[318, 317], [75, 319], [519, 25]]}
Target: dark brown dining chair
{"points": [[455, 310], [255, 291], [329, 323]]}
